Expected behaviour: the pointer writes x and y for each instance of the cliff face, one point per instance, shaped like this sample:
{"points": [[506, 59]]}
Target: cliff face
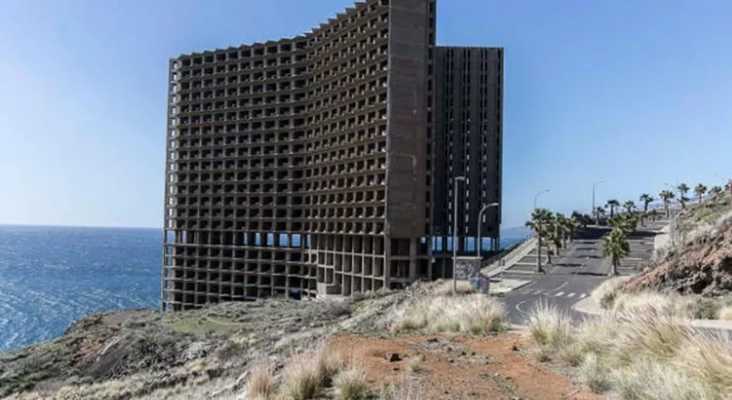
{"points": [[701, 263]]}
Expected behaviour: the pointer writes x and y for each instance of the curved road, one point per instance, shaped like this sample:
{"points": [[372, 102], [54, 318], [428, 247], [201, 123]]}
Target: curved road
{"points": [[580, 269]]}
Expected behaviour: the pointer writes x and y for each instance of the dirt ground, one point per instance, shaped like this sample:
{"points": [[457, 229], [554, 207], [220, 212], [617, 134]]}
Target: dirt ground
{"points": [[458, 368]]}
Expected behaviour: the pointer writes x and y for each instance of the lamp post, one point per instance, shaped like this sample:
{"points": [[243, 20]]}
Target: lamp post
{"points": [[537, 196], [480, 223], [594, 212], [454, 231]]}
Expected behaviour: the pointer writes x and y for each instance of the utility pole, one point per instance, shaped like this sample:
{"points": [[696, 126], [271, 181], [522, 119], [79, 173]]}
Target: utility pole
{"points": [[480, 225], [594, 212]]}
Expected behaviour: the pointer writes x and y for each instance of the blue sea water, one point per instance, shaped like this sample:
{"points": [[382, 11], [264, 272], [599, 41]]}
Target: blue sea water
{"points": [[50, 277]]}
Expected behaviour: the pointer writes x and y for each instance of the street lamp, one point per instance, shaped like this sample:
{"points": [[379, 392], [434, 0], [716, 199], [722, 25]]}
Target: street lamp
{"points": [[454, 231], [480, 222], [537, 196], [594, 212]]}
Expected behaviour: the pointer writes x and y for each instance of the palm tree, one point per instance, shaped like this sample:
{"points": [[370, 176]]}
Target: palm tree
{"points": [[683, 189], [599, 213], [646, 199], [572, 225], [612, 204], [616, 247], [666, 196], [629, 206], [715, 190], [699, 191], [626, 223], [565, 227], [539, 223]]}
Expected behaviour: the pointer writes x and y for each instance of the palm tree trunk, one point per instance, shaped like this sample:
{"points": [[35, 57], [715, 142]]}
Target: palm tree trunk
{"points": [[615, 266]]}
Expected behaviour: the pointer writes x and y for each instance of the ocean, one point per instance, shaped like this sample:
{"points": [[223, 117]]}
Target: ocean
{"points": [[50, 277]]}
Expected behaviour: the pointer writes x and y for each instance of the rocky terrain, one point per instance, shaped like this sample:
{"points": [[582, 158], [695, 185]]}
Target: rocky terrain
{"points": [[212, 353], [701, 261]]}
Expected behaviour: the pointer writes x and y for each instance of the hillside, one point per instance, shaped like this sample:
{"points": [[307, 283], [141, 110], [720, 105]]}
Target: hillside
{"points": [[699, 257], [218, 352]]}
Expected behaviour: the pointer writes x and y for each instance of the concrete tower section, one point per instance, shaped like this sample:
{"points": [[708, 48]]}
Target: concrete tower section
{"points": [[469, 136], [307, 166]]}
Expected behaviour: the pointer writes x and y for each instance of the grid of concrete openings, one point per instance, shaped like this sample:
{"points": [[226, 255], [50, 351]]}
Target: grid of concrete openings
{"points": [[323, 164]]}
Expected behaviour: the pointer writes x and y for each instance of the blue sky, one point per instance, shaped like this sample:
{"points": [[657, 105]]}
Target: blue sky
{"points": [[636, 93]]}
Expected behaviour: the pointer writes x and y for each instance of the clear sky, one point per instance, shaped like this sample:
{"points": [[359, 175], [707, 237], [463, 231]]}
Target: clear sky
{"points": [[636, 93]]}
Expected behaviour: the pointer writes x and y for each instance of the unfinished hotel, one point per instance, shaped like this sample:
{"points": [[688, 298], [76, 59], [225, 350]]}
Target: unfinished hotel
{"points": [[324, 164]]}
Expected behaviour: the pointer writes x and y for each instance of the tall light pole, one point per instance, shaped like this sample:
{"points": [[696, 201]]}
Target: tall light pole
{"points": [[454, 231], [537, 196], [594, 212], [480, 223]]}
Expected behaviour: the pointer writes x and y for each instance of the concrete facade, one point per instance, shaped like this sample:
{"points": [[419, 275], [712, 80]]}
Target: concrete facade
{"points": [[304, 166], [469, 136]]}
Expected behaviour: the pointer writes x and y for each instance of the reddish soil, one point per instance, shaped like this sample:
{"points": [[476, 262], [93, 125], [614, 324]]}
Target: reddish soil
{"points": [[459, 368]]}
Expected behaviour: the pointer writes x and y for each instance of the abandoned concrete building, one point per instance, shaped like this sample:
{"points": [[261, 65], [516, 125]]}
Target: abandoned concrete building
{"points": [[324, 164]]}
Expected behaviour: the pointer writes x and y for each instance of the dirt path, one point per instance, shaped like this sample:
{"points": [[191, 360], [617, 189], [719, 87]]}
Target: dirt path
{"points": [[459, 368]]}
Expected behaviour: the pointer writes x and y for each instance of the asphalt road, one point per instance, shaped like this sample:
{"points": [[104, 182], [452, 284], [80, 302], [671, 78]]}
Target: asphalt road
{"points": [[579, 270]]}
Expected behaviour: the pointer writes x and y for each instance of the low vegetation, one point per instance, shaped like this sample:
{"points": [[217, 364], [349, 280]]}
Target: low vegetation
{"points": [[611, 298], [638, 353], [476, 314]]}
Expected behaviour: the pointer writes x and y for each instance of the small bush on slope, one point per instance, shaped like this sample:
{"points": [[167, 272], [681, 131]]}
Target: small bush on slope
{"points": [[307, 374], [477, 314], [351, 384]]}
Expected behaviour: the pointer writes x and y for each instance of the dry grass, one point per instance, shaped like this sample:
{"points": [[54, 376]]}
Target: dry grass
{"points": [[604, 295], [610, 298], [306, 375], [548, 326], [725, 313], [414, 365], [476, 314], [262, 383], [402, 390], [351, 384], [639, 352], [444, 288]]}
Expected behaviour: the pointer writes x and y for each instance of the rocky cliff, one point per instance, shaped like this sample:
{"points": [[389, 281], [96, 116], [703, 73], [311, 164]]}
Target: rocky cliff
{"points": [[700, 262]]}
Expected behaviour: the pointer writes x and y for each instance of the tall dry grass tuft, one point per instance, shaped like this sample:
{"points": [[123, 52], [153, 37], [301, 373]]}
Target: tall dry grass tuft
{"points": [[653, 380], [262, 383], [708, 357], [605, 294], [641, 351], [351, 384], [549, 326], [594, 374], [403, 389], [654, 302], [648, 331], [477, 314], [307, 374]]}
